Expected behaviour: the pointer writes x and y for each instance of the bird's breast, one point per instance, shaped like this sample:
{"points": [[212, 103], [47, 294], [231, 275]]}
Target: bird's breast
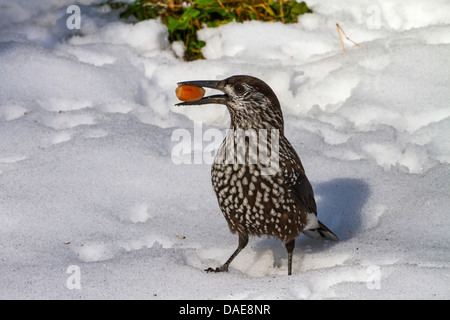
{"points": [[256, 204]]}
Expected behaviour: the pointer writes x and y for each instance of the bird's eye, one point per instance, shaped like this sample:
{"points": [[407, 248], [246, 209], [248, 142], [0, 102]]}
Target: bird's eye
{"points": [[239, 89]]}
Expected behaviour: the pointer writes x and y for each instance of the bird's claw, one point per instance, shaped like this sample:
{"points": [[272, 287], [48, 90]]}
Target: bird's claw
{"points": [[218, 269]]}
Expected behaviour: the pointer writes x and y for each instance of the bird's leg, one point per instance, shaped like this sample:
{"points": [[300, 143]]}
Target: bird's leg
{"points": [[243, 240], [290, 245]]}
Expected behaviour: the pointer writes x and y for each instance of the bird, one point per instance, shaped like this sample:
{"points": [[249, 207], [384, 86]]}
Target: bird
{"points": [[257, 198]]}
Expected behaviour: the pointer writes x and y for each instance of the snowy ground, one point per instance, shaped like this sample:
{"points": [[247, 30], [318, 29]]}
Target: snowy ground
{"points": [[89, 184]]}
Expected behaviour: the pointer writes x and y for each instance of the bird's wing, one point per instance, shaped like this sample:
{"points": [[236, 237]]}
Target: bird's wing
{"points": [[297, 183], [303, 192]]}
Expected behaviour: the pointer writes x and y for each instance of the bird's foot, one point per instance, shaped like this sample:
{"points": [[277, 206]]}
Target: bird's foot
{"points": [[223, 268]]}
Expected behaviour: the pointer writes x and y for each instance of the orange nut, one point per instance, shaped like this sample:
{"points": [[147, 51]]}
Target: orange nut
{"points": [[189, 93]]}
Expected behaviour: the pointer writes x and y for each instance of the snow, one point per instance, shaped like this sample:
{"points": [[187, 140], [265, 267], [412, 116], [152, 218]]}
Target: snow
{"points": [[89, 177]]}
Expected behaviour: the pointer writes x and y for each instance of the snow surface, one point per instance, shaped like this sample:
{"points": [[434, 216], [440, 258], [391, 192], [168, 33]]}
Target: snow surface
{"points": [[88, 178]]}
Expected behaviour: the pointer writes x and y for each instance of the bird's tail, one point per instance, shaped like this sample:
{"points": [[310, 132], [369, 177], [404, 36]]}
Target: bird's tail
{"points": [[322, 232]]}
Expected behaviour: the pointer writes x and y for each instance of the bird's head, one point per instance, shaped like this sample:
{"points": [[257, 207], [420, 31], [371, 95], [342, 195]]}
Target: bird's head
{"points": [[250, 101]]}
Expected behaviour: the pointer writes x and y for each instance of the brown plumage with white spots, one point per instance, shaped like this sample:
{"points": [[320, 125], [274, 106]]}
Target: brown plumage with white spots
{"points": [[258, 177]]}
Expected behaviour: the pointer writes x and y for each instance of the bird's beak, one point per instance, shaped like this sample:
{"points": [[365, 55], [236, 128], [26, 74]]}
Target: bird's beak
{"points": [[213, 84]]}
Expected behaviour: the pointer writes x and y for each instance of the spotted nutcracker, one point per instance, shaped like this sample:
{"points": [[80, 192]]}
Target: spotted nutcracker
{"points": [[272, 198]]}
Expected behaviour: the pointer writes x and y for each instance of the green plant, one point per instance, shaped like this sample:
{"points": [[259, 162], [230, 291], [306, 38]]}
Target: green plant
{"points": [[184, 18]]}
